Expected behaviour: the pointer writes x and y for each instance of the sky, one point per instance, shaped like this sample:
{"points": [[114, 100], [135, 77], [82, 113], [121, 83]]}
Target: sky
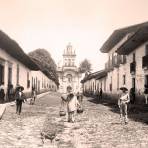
{"points": [[52, 24]]}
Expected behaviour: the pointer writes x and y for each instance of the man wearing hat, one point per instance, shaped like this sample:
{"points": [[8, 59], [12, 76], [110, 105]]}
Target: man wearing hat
{"points": [[19, 97], [123, 100]]}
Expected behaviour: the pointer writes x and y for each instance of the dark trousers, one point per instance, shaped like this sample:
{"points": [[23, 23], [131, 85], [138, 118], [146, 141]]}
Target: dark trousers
{"points": [[100, 96], [18, 106]]}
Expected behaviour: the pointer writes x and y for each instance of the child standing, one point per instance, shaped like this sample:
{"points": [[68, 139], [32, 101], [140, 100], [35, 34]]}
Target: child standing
{"points": [[72, 107], [34, 95]]}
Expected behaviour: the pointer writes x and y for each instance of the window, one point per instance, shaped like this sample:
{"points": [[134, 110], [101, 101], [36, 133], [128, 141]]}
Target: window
{"points": [[111, 85], [146, 79], [17, 74], [105, 84], [134, 57], [133, 82], [93, 86], [36, 83], [69, 62], [112, 58], [69, 77], [117, 80], [1, 74], [124, 79], [101, 85], [146, 49], [9, 75], [28, 81], [98, 86], [32, 82]]}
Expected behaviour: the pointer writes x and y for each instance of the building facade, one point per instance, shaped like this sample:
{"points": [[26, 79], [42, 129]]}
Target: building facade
{"points": [[127, 63], [92, 82], [16, 68], [68, 73]]}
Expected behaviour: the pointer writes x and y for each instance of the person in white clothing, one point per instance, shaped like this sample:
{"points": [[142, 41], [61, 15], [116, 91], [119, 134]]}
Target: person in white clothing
{"points": [[123, 100], [72, 105]]}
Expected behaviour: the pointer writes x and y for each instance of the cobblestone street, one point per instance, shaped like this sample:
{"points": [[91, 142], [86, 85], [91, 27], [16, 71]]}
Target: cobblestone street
{"points": [[97, 127]]}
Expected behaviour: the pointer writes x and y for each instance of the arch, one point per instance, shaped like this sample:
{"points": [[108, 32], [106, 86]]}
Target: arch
{"points": [[69, 77]]}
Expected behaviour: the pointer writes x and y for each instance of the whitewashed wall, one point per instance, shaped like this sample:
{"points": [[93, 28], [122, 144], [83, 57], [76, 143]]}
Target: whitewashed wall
{"points": [[7, 59]]}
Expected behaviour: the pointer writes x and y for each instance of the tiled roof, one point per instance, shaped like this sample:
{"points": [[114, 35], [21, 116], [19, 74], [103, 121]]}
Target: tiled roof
{"points": [[134, 41], [118, 35], [12, 48], [96, 75]]}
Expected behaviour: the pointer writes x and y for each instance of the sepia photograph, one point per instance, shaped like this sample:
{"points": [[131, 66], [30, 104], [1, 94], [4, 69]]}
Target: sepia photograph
{"points": [[73, 73]]}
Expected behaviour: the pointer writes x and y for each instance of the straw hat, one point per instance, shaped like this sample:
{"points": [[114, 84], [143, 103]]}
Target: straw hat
{"points": [[19, 87], [123, 88]]}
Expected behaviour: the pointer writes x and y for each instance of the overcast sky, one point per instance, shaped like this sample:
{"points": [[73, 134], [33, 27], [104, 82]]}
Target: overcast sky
{"points": [[51, 24]]}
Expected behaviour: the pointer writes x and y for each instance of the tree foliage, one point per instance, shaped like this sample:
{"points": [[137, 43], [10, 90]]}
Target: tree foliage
{"points": [[44, 60], [85, 66]]}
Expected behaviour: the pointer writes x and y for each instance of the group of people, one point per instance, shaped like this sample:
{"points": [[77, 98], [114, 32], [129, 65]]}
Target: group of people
{"points": [[72, 103], [9, 95], [17, 95]]}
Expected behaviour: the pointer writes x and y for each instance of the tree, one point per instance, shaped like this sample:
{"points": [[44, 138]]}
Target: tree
{"points": [[85, 66], [44, 60]]}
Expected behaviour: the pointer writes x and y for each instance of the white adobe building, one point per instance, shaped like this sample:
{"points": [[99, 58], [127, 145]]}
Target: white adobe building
{"points": [[68, 73], [94, 81], [16, 68], [127, 64]]}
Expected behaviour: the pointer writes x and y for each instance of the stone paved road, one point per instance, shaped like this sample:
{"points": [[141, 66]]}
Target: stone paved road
{"points": [[97, 127], [23, 131]]}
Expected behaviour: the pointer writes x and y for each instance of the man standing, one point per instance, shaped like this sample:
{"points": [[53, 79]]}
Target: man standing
{"points": [[100, 93], [122, 103], [19, 96]]}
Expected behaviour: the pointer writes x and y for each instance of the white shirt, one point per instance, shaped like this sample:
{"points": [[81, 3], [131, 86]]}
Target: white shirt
{"points": [[72, 105]]}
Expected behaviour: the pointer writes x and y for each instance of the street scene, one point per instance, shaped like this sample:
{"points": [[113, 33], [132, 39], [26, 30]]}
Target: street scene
{"points": [[97, 127], [73, 74]]}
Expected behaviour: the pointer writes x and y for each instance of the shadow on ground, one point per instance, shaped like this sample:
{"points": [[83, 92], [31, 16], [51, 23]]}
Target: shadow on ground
{"points": [[136, 112]]}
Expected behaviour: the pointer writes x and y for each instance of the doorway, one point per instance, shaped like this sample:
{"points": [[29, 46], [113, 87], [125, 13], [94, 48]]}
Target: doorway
{"points": [[133, 82], [1, 74]]}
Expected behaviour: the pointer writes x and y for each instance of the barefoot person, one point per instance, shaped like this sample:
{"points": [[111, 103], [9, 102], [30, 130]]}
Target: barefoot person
{"points": [[72, 106], [122, 103]]}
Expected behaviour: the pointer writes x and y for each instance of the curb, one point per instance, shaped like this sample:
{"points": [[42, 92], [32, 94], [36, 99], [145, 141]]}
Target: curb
{"points": [[2, 110], [5, 105]]}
